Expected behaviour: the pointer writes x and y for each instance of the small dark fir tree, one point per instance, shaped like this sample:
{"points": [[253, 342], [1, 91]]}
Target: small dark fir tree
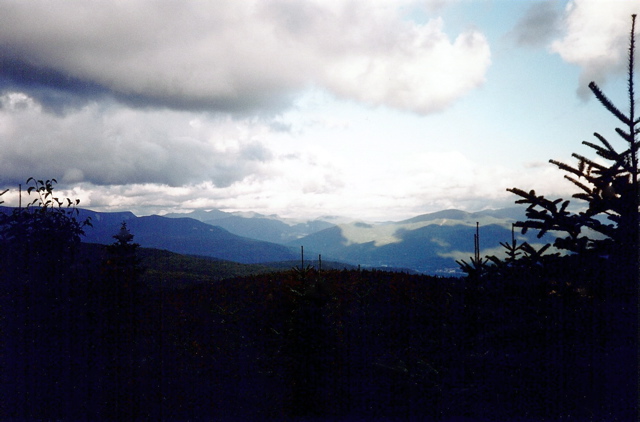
{"points": [[477, 267], [122, 268], [606, 233], [120, 295], [519, 256]]}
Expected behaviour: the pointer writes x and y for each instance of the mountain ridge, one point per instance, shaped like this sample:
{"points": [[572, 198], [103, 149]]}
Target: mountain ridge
{"points": [[180, 235], [428, 243]]}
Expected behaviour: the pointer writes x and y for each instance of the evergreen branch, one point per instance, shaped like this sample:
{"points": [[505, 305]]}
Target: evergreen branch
{"points": [[626, 136], [578, 184], [602, 152], [495, 260], [588, 161], [583, 196], [538, 225], [521, 193], [595, 225], [632, 122], [549, 218], [577, 172], [616, 218], [608, 104], [625, 160], [532, 253], [604, 141], [565, 167]]}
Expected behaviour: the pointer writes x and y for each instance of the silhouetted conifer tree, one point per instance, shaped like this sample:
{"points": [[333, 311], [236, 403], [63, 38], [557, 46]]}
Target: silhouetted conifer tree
{"points": [[123, 265], [120, 300], [478, 265], [608, 228]]}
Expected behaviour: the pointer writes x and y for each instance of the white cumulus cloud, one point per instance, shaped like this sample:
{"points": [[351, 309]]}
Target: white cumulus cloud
{"points": [[596, 37]]}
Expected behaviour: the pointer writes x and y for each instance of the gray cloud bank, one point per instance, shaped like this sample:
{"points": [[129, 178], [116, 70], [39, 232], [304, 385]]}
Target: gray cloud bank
{"points": [[540, 24], [109, 145], [233, 55]]}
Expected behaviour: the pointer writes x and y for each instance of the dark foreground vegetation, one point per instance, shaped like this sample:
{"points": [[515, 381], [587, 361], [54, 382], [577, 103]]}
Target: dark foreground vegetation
{"points": [[337, 344]]}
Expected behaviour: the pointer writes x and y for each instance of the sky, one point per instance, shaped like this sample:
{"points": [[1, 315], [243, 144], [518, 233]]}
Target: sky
{"points": [[376, 110]]}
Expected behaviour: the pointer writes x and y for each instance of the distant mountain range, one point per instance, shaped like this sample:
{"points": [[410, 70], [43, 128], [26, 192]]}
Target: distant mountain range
{"points": [[185, 236], [257, 226], [429, 243]]}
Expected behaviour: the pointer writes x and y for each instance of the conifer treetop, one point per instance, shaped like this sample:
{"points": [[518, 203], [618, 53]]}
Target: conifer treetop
{"points": [[608, 185]]}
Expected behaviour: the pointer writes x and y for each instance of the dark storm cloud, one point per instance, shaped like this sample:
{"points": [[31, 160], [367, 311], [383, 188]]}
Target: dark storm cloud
{"points": [[539, 25], [59, 91], [187, 56], [53, 89]]}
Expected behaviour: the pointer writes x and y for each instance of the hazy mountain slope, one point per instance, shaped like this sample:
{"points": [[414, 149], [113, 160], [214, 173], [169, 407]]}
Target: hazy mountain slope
{"points": [[200, 215], [268, 229], [429, 243], [257, 226], [486, 217], [185, 236]]}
